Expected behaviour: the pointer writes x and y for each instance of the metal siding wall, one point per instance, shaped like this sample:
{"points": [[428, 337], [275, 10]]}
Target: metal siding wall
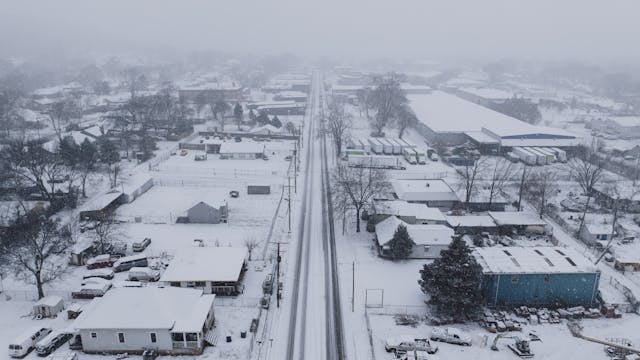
{"points": [[531, 289]]}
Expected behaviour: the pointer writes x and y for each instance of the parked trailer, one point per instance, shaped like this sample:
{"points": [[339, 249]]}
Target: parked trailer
{"points": [[397, 146], [410, 155], [407, 143], [376, 145], [354, 143], [351, 152], [524, 155], [551, 156], [421, 156], [376, 161], [387, 147], [541, 159], [511, 156], [365, 144], [560, 154]]}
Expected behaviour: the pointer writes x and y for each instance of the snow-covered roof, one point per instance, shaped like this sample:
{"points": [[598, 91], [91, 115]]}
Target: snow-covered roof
{"points": [[627, 121], [488, 93], [594, 229], [243, 147], [101, 201], [220, 264], [446, 113], [268, 128], [12, 209], [423, 190], [403, 208], [147, 308], [516, 218], [50, 300], [532, 260], [93, 131], [482, 137], [471, 221], [420, 234], [291, 94]]}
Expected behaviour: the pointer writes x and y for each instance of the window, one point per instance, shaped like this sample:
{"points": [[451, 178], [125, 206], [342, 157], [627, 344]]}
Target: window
{"points": [[426, 248], [546, 278], [191, 284], [177, 336], [175, 283], [153, 337], [200, 284], [121, 337], [94, 335], [191, 336], [514, 279]]}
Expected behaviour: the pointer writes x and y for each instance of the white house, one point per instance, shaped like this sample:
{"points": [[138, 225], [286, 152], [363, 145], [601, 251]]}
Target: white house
{"points": [[217, 270], [411, 213], [244, 150], [171, 320], [428, 240], [592, 233], [433, 192]]}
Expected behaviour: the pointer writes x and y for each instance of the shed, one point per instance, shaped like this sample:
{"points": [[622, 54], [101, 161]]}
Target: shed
{"points": [[536, 276], [203, 213], [81, 252], [101, 206], [258, 189], [428, 240], [48, 307], [520, 222], [592, 233]]}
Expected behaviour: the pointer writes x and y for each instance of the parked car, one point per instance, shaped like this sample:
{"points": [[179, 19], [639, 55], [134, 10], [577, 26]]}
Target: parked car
{"points": [[140, 246], [403, 344], [267, 284], [95, 280], [416, 355], [234, 193], [143, 274], [128, 262], [103, 273], [100, 261], [51, 342], [451, 336], [91, 290], [287, 158], [26, 341], [183, 152]]}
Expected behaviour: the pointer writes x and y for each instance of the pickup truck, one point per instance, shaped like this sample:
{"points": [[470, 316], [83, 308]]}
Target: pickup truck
{"points": [[402, 344], [451, 336]]}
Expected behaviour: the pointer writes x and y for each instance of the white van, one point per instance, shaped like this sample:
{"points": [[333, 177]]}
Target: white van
{"points": [[143, 274], [24, 343], [128, 262]]}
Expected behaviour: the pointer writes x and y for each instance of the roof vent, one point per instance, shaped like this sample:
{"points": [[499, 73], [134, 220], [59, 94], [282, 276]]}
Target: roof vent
{"points": [[427, 184], [570, 261]]}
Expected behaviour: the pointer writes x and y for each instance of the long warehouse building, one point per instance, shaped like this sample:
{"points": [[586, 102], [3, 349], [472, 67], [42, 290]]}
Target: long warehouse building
{"points": [[445, 117]]}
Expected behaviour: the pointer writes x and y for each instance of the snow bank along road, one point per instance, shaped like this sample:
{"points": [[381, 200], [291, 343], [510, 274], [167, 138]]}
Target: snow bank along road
{"points": [[315, 329]]}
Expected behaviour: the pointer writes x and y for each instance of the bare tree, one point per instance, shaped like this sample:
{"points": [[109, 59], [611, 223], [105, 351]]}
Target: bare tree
{"points": [[200, 102], [619, 192], [587, 171], [387, 98], [339, 123], [522, 185], [9, 106], [541, 187], [30, 164], [32, 250], [405, 118], [60, 113], [106, 232], [251, 242], [501, 173], [469, 174], [359, 185]]}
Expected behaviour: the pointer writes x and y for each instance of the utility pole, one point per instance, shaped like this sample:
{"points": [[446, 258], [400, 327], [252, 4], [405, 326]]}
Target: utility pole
{"points": [[353, 285], [278, 258], [289, 202]]}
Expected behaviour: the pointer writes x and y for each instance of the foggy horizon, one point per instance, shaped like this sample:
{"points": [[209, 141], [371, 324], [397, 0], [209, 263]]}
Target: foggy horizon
{"points": [[461, 31]]}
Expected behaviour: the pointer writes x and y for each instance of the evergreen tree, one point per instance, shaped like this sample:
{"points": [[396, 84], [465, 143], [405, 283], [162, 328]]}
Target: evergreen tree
{"points": [[238, 114], [108, 152], [453, 281], [276, 122], [262, 118], [68, 150], [401, 244]]}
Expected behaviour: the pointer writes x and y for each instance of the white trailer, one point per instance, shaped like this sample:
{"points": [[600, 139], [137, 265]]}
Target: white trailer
{"points": [[365, 144], [551, 156], [387, 147], [541, 159], [407, 143], [396, 146], [376, 161], [376, 145], [421, 156], [524, 155], [560, 154], [410, 155]]}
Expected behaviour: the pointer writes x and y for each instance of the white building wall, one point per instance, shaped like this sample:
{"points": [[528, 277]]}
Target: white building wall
{"points": [[135, 340]]}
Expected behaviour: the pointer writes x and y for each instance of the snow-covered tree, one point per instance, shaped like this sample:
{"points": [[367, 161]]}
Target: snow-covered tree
{"points": [[453, 281], [401, 244]]}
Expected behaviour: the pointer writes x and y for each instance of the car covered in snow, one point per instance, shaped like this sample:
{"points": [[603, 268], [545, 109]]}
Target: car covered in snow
{"points": [[451, 336], [143, 274], [403, 344], [103, 273], [141, 245], [100, 261]]}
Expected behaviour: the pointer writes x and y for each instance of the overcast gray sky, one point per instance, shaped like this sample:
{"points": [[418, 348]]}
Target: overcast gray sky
{"points": [[589, 30]]}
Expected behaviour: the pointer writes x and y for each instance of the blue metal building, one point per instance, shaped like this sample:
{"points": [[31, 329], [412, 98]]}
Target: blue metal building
{"points": [[536, 276]]}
